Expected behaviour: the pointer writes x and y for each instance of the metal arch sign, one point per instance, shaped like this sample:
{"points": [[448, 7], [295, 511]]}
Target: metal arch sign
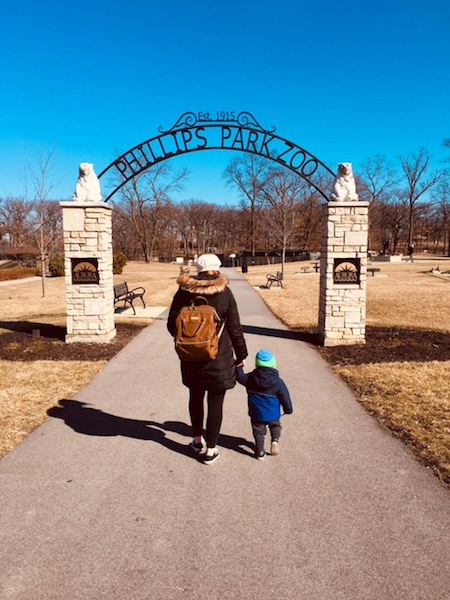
{"points": [[222, 130]]}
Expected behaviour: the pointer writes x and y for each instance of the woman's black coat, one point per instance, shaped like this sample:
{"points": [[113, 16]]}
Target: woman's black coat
{"points": [[217, 374]]}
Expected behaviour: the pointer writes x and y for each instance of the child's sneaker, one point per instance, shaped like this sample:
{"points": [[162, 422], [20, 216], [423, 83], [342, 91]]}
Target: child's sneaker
{"points": [[260, 454], [274, 448]]}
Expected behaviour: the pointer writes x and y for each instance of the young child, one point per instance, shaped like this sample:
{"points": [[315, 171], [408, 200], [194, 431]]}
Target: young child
{"points": [[267, 393]]}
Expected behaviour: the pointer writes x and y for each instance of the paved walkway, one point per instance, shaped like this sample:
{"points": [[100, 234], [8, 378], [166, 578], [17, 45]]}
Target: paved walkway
{"points": [[104, 500], [17, 281]]}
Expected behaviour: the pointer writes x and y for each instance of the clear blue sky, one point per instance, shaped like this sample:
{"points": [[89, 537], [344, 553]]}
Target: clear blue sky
{"points": [[345, 80]]}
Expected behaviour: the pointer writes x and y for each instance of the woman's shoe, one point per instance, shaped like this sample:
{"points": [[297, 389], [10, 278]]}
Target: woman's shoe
{"points": [[208, 459], [198, 447]]}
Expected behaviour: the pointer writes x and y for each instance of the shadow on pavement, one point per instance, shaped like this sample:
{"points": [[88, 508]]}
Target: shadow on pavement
{"points": [[85, 419], [302, 336]]}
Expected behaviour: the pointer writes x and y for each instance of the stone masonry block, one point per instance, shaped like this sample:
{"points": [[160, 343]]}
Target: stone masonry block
{"points": [[73, 219], [355, 238], [336, 323], [336, 335], [354, 219], [95, 307], [353, 319]]}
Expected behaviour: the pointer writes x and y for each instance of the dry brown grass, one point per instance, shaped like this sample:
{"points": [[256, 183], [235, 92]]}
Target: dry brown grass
{"points": [[410, 399], [409, 296], [402, 295], [297, 305], [27, 392]]}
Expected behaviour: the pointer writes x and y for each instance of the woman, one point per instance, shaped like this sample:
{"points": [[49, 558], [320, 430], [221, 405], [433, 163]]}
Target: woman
{"points": [[213, 377]]}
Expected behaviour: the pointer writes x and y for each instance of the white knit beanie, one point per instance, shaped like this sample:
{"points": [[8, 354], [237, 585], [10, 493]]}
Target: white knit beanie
{"points": [[208, 262]]}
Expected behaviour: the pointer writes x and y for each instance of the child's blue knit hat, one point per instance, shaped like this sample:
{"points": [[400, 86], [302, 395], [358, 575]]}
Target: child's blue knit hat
{"points": [[264, 358]]}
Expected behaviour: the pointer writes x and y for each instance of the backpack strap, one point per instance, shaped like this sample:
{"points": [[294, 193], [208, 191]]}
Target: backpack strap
{"points": [[222, 327], [204, 301], [195, 303]]}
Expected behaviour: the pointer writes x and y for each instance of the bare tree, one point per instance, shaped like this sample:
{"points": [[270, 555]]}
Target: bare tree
{"points": [[16, 220], [200, 222], [184, 228], [419, 182], [201, 226], [123, 234], [378, 179], [283, 192], [446, 144], [375, 184], [230, 229], [441, 196], [45, 228], [2, 229], [426, 226], [144, 199], [394, 218], [249, 175], [307, 233]]}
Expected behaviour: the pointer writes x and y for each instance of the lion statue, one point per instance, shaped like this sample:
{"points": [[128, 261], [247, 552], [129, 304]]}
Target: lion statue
{"points": [[344, 188], [88, 185]]}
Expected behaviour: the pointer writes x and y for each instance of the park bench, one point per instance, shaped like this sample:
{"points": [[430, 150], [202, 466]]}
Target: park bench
{"points": [[278, 279], [127, 296], [373, 270], [316, 266]]}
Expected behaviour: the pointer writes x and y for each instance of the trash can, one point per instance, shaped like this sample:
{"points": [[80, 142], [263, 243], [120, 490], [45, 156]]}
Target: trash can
{"points": [[244, 268]]}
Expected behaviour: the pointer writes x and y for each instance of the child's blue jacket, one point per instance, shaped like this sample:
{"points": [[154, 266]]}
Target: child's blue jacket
{"points": [[266, 392]]}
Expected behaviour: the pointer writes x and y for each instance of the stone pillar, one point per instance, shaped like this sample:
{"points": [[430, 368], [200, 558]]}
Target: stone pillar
{"points": [[343, 274], [89, 277]]}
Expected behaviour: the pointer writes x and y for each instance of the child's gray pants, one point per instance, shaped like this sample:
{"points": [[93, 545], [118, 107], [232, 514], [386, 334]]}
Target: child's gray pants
{"points": [[259, 432]]}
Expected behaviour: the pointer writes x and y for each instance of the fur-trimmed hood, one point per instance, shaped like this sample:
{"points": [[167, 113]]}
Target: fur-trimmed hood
{"points": [[202, 285]]}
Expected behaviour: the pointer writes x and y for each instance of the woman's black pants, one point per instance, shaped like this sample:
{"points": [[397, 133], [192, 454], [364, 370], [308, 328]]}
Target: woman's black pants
{"points": [[214, 417]]}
